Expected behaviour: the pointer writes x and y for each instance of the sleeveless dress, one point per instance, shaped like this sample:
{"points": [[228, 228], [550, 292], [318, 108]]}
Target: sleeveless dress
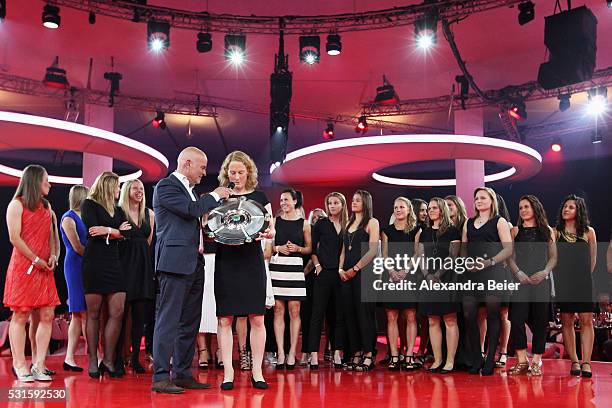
{"points": [[23, 292], [240, 274], [102, 270], [136, 260], [73, 265], [484, 242], [572, 275], [437, 246], [400, 243], [287, 271]]}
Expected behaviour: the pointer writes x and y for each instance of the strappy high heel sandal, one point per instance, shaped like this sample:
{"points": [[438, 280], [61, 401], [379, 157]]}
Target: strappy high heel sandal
{"points": [[202, 364], [586, 374], [575, 368], [501, 360], [409, 364], [362, 367], [394, 363], [355, 361], [245, 361], [219, 360]]}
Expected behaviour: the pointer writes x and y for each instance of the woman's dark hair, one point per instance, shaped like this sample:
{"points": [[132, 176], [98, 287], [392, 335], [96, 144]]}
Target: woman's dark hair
{"points": [[502, 207], [539, 215], [367, 213], [295, 195], [28, 189], [582, 215]]}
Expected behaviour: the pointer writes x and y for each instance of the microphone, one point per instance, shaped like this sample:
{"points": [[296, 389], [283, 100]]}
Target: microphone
{"points": [[231, 185]]}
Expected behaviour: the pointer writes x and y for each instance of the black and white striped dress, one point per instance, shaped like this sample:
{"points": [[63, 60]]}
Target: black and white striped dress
{"points": [[287, 271]]}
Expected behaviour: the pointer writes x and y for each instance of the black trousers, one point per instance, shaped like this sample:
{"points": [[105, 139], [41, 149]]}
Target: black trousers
{"points": [[359, 317], [325, 296], [530, 305], [179, 310], [470, 314]]}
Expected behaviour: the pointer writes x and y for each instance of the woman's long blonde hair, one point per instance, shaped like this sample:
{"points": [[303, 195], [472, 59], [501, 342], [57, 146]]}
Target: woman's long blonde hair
{"points": [[411, 221], [445, 219], [494, 205], [124, 202], [343, 213], [103, 191], [461, 211], [245, 159]]}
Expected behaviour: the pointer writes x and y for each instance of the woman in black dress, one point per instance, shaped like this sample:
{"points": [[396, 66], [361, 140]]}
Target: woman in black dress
{"points": [[398, 239], [577, 256], [291, 242], [240, 275], [535, 255], [360, 244], [420, 209], [103, 277], [486, 236], [437, 243], [137, 264], [326, 247]]}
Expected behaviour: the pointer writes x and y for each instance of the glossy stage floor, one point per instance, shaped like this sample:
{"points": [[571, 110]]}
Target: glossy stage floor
{"points": [[329, 387]]}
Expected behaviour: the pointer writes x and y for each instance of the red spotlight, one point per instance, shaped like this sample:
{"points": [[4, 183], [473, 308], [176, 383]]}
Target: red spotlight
{"points": [[159, 121], [556, 145], [328, 133], [362, 125], [517, 110]]}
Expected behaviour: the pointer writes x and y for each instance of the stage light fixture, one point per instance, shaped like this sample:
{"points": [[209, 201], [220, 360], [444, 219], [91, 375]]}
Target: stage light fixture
{"points": [[385, 94], [596, 137], [55, 77], [235, 48], [328, 133], [526, 12], [158, 35], [609, 3], [518, 110], [92, 17], [310, 49], [597, 100], [425, 30], [137, 12], [204, 42], [51, 17], [564, 102], [160, 120], [362, 125], [2, 10], [333, 45], [556, 146]]}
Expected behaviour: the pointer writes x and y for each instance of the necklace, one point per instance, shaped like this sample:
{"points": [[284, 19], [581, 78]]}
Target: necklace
{"points": [[434, 240], [351, 237]]}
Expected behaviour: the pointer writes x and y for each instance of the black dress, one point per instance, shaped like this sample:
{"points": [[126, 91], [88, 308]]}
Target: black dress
{"points": [[135, 254], [287, 271], [240, 274], [437, 248], [400, 243], [484, 242], [102, 271], [572, 275]]}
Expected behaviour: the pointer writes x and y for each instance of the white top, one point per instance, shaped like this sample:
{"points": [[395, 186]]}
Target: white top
{"points": [[185, 181]]}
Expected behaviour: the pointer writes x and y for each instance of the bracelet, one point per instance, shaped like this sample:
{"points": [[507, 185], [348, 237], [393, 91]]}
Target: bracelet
{"points": [[317, 265], [32, 265]]}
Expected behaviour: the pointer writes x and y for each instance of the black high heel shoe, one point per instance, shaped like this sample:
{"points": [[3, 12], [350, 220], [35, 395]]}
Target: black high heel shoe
{"points": [[68, 367], [289, 366], [279, 365], [260, 385], [475, 369], [226, 386], [102, 368], [137, 367]]}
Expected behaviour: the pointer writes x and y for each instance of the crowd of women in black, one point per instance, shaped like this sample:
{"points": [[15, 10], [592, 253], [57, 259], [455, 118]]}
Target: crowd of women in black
{"points": [[317, 267]]}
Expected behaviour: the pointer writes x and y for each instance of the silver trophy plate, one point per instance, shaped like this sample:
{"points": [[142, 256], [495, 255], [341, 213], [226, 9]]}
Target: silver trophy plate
{"points": [[237, 221]]}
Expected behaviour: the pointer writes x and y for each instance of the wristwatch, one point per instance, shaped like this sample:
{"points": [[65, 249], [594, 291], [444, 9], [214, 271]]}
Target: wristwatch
{"points": [[356, 268], [492, 262]]}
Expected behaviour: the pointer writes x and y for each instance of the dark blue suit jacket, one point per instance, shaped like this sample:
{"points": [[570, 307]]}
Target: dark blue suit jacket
{"points": [[177, 226]]}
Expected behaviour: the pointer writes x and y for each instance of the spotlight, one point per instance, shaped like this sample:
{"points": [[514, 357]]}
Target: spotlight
{"points": [[333, 45], [204, 42], [92, 17], [596, 137], [526, 12], [597, 100], [51, 17], [556, 145], [425, 29], [517, 110], [310, 49], [159, 122], [235, 48], [328, 133], [55, 77], [564, 102], [385, 94], [609, 3], [362, 125], [158, 35], [279, 129], [2, 10]]}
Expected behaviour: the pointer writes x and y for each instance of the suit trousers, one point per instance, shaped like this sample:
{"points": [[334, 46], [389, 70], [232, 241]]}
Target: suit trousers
{"points": [[178, 315]]}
